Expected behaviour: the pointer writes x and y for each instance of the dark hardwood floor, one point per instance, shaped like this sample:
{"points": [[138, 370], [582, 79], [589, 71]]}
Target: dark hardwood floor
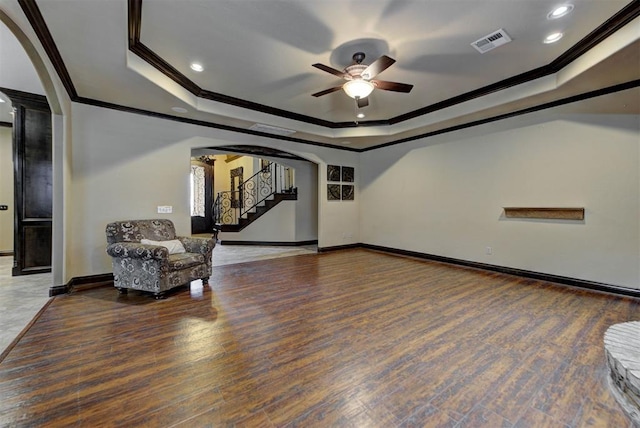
{"points": [[349, 338]]}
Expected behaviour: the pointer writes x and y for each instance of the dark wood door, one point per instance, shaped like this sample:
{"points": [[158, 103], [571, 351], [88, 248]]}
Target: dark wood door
{"points": [[33, 182]]}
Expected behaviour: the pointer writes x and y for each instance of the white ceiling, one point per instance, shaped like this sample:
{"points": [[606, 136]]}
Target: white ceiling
{"points": [[262, 51]]}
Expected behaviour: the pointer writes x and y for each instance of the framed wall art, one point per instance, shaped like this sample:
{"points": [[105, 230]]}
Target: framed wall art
{"points": [[348, 174], [340, 174], [333, 173], [347, 192], [333, 192]]}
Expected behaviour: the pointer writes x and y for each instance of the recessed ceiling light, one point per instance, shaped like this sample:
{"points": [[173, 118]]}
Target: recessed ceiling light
{"points": [[197, 67], [179, 109], [1, 100], [552, 38], [360, 115], [560, 11]]}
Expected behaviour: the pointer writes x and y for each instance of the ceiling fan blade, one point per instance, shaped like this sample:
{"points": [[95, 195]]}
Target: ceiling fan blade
{"points": [[331, 70], [392, 86], [327, 91], [362, 102], [377, 67]]}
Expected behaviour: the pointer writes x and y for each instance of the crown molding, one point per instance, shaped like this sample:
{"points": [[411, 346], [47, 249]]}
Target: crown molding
{"points": [[613, 24], [620, 19]]}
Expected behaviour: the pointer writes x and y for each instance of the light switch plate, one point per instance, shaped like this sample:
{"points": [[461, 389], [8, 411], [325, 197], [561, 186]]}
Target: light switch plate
{"points": [[165, 209]]}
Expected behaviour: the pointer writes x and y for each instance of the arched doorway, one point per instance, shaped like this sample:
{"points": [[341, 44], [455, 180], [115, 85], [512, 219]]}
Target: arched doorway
{"points": [[57, 134], [292, 223]]}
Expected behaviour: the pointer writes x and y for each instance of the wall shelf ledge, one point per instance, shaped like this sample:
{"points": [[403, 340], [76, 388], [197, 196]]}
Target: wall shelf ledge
{"points": [[545, 213]]}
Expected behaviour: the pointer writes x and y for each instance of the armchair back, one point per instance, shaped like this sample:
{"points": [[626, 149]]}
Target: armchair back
{"points": [[135, 230]]}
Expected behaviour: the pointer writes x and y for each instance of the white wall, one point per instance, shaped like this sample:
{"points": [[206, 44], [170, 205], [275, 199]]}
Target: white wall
{"points": [[6, 190], [444, 195], [306, 180], [276, 225], [124, 165]]}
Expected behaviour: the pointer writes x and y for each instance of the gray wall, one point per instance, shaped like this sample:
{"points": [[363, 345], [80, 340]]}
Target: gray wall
{"points": [[444, 196]]}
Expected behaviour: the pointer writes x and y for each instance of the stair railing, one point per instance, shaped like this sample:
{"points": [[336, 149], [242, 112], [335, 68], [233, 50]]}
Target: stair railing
{"points": [[232, 205], [223, 208]]}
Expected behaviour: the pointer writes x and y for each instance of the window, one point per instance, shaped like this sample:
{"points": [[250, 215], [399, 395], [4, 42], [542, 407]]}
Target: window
{"points": [[197, 191]]}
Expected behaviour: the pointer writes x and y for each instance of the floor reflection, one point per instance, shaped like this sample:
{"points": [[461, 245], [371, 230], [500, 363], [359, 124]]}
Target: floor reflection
{"points": [[21, 297]]}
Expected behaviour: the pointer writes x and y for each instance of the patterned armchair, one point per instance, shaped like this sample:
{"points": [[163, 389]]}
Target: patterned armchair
{"points": [[166, 262]]}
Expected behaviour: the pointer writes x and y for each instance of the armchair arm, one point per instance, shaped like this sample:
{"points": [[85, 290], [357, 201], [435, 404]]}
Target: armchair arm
{"points": [[197, 245], [136, 250]]}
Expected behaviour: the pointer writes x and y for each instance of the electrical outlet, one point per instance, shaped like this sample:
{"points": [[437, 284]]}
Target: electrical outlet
{"points": [[4, 207], [165, 209], [489, 251]]}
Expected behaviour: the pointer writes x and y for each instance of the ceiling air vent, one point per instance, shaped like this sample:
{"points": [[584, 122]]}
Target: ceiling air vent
{"points": [[268, 129], [491, 41]]}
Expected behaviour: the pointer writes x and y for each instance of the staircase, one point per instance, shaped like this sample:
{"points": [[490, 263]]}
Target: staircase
{"points": [[236, 209]]}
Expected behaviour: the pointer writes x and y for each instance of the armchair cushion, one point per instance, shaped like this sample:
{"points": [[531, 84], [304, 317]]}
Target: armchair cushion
{"points": [[185, 260], [173, 245]]}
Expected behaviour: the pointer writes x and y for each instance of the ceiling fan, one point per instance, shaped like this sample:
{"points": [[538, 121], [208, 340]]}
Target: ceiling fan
{"points": [[360, 79]]}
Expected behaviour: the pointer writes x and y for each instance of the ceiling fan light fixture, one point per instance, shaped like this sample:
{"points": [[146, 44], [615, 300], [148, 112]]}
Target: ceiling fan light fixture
{"points": [[358, 88]]}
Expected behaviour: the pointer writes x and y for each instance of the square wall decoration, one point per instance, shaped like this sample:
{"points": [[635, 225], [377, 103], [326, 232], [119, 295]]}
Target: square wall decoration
{"points": [[348, 174], [347, 192], [340, 174], [333, 192], [333, 173]]}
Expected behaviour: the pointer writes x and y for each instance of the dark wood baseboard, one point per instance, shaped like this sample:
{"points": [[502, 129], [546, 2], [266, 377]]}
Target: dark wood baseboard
{"points": [[56, 290], [574, 282], [82, 283], [271, 243], [92, 281], [17, 271], [339, 247]]}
